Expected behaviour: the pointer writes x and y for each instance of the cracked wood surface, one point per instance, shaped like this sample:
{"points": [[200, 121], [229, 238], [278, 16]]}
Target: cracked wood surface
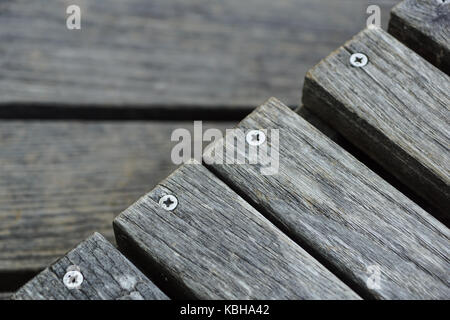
{"points": [[107, 274], [335, 207]]}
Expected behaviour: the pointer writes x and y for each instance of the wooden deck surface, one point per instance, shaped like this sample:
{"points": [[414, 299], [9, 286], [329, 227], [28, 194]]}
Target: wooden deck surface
{"points": [[319, 224], [159, 55], [62, 180]]}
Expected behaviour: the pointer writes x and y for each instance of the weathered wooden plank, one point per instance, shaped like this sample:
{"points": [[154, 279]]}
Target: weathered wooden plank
{"points": [[348, 217], [214, 245], [364, 158], [61, 181], [424, 26], [167, 53], [396, 109], [105, 275]]}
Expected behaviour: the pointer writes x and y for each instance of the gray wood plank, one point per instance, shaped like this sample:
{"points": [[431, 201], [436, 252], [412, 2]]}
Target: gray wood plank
{"points": [[107, 275], [345, 215], [361, 156], [214, 245], [60, 181], [165, 54], [424, 26], [396, 109]]}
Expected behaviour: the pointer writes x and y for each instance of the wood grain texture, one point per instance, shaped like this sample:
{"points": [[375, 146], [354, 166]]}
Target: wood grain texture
{"points": [[344, 214], [107, 274], [362, 157], [61, 181], [161, 54], [424, 26], [396, 109], [214, 245]]}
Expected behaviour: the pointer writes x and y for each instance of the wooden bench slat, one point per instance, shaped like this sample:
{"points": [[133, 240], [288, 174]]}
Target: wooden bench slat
{"points": [[424, 26], [347, 216], [62, 180], [107, 275], [214, 245], [165, 55], [396, 109]]}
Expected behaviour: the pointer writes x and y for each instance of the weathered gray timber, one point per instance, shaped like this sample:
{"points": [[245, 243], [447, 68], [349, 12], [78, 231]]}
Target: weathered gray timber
{"points": [[214, 245], [424, 26], [107, 275], [163, 54], [348, 217], [396, 109], [61, 181], [364, 158]]}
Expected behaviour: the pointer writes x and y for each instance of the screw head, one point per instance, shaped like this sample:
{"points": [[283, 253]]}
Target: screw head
{"points": [[168, 202], [359, 60], [73, 278], [255, 137]]}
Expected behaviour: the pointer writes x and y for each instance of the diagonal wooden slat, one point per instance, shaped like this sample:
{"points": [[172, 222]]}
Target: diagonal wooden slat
{"points": [[106, 275], [214, 245], [396, 109], [349, 218]]}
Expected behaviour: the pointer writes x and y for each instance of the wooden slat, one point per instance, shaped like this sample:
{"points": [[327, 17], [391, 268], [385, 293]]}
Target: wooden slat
{"points": [[424, 26], [107, 275], [364, 158], [166, 54], [214, 245], [61, 181], [347, 216], [396, 109]]}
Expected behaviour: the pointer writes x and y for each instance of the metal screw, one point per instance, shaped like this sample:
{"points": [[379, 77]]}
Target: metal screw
{"points": [[73, 278], [255, 137], [168, 202], [358, 60]]}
